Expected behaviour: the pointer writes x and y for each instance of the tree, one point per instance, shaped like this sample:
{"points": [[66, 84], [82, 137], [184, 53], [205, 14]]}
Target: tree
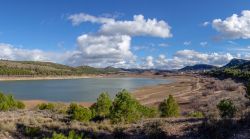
{"points": [[124, 108], [102, 107], [169, 107], [226, 108]]}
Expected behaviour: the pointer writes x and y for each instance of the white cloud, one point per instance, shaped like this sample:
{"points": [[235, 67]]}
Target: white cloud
{"points": [[77, 19], [186, 43], [148, 62], [110, 46], [163, 45], [102, 51], [205, 23], [9, 52], [203, 44], [139, 26], [235, 26], [184, 58]]}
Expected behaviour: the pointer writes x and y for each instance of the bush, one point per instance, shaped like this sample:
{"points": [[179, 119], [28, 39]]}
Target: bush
{"points": [[124, 108], [196, 114], [72, 135], [226, 108], [20, 105], [147, 112], [79, 113], [7, 102], [32, 131], [48, 106], [169, 107], [102, 107]]}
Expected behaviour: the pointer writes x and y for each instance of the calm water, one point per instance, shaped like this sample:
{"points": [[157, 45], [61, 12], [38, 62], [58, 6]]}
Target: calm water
{"points": [[73, 90]]}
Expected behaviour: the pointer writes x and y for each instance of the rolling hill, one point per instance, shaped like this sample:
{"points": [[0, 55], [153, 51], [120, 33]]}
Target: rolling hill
{"points": [[35, 68], [235, 62], [198, 67]]}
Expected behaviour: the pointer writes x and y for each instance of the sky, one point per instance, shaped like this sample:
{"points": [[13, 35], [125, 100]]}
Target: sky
{"points": [[150, 34]]}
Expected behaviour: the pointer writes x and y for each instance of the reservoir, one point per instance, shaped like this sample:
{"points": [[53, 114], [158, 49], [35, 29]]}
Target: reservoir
{"points": [[74, 90]]}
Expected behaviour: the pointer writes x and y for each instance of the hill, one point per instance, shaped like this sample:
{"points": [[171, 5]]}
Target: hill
{"points": [[35, 68], [198, 67], [235, 62], [237, 69]]}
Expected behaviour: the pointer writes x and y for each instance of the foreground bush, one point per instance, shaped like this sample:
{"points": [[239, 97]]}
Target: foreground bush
{"points": [[102, 107], [124, 108], [196, 114], [79, 113], [7, 102], [48, 106], [226, 108], [72, 135], [169, 107], [147, 112]]}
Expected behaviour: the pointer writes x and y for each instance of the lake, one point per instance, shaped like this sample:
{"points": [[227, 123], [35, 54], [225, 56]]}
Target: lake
{"points": [[69, 90]]}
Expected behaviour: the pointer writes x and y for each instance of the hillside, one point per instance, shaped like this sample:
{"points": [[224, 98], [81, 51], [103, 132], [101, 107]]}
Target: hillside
{"points": [[236, 68], [235, 62], [34, 68], [198, 67]]}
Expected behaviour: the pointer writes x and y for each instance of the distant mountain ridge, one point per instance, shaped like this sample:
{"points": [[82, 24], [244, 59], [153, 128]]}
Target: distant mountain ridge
{"points": [[198, 67], [235, 62]]}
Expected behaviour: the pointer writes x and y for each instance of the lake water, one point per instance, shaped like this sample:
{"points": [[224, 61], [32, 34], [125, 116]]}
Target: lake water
{"points": [[73, 89]]}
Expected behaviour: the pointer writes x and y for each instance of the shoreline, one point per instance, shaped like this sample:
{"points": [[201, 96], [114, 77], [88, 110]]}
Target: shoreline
{"points": [[12, 78], [23, 78], [136, 93]]}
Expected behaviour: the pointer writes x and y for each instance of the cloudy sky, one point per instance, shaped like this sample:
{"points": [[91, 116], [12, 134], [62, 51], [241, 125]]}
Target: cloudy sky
{"points": [[164, 34]]}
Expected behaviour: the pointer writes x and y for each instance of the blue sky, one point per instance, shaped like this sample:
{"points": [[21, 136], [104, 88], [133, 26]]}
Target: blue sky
{"points": [[43, 31]]}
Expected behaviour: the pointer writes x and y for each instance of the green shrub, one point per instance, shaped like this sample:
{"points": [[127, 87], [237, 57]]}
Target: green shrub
{"points": [[32, 131], [196, 114], [48, 106], [147, 112], [20, 105], [72, 135], [72, 108], [79, 113], [169, 107], [102, 107], [226, 108], [124, 108], [7, 102]]}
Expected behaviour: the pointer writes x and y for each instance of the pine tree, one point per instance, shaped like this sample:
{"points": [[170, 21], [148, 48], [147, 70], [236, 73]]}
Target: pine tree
{"points": [[169, 107]]}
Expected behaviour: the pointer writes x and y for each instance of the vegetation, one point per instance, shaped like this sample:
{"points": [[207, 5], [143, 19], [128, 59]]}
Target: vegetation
{"points": [[226, 108], [79, 113], [102, 107], [32, 68], [7, 102], [48, 106], [71, 135], [169, 107], [124, 108], [196, 114]]}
